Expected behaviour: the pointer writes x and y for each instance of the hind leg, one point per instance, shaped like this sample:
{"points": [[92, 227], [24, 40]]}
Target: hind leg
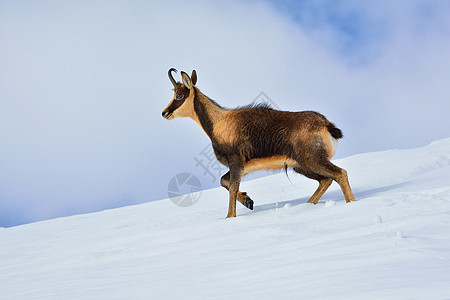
{"points": [[242, 197], [329, 170], [324, 184], [342, 180]]}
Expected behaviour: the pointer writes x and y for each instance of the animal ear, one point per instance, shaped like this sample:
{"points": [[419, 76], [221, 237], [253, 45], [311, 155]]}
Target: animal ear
{"points": [[186, 80], [194, 77]]}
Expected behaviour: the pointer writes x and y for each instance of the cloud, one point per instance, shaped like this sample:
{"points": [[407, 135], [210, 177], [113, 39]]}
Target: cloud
{"points": [[82, 87]]}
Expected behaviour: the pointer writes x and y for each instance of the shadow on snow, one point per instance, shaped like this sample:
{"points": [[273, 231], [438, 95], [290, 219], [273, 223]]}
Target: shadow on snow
{"points": [[332, 195]]}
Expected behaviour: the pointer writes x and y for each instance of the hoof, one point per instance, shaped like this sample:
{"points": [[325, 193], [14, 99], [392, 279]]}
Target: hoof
{"points": [[248, 203]]}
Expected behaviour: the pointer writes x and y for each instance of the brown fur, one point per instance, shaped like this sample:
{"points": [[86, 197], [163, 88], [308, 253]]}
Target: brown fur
{"points": [[256, 138]]}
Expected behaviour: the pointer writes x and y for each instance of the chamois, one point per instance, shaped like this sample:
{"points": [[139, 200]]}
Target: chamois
{"points": [[257, 137]]}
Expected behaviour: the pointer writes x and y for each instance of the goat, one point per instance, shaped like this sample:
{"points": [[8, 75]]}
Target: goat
{"points": [[257, 137]]}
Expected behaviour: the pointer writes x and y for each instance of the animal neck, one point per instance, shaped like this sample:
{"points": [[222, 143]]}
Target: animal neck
{"points": [[207, 112]]}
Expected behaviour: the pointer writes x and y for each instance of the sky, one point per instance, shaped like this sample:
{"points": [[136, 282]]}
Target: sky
{"points": [[83, 84]]}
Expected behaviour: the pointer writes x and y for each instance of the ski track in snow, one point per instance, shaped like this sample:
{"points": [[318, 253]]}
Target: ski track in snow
{"points": [[393, 243]]}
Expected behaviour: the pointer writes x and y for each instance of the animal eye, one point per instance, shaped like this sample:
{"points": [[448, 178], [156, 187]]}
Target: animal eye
{"points": [[180, 96]]}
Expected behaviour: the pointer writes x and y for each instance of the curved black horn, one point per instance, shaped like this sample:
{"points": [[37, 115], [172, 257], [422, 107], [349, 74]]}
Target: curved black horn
{"points": [[171, 77]]}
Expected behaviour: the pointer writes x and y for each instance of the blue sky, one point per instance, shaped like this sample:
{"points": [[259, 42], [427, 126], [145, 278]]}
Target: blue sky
{"points": [[83, 84]]}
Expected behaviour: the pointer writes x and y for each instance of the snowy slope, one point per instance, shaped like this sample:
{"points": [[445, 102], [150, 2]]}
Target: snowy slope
{"points": [[393, 243]]}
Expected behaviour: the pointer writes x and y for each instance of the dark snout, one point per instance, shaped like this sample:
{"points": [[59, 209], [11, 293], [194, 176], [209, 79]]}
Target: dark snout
{"points": [[166, 114]]}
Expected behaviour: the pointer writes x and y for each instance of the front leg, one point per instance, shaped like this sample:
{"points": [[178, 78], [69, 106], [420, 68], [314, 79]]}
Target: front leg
{"points": [[232, 204], [236, 173], [242, 197]]}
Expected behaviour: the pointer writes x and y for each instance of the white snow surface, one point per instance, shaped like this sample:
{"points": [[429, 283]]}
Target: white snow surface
{"points": [[392, 243]]}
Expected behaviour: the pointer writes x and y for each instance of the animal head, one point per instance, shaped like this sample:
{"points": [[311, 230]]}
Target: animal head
{"points": [[182, 103]]}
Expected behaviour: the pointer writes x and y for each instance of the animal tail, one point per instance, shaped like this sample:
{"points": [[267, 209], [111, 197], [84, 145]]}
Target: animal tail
{"points": [[334, 131]]}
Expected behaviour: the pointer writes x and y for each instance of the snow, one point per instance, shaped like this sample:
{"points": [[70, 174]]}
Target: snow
{"points": [[392, 243]]}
